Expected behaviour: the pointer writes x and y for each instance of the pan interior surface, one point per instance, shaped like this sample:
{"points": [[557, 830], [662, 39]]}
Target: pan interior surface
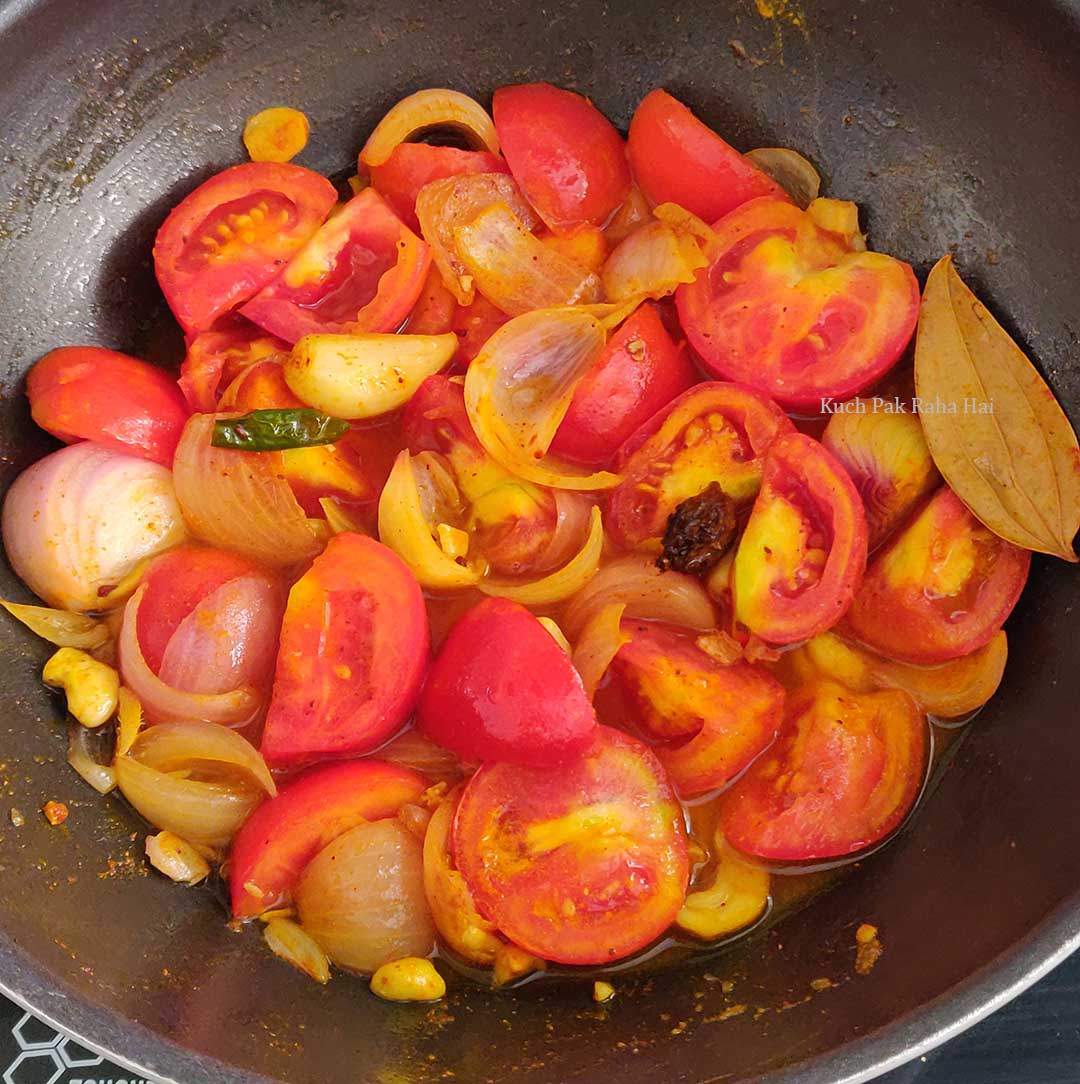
{"points": [[953, 127]]}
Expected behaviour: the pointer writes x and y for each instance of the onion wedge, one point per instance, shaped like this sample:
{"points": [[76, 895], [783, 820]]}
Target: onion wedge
{"points": [[652, 262], [599, 643], [519, 387], [60, 627], [561, 583]]}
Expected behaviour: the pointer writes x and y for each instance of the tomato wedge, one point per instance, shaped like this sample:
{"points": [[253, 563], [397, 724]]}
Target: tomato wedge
{"points": [[582, 864], [412, 165], [354, 649], [225, 241], [802, 555], [793, 309], [713, 432], [361, 272], [216, 358], [844, 772], [939, 589], [714, 719], [474, 324], [564, 153], [639, 371], [89, 393], [283, 834], [502, 689], [677, 158]]}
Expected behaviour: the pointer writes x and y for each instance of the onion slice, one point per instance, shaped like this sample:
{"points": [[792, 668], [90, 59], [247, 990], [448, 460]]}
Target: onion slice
{"points": [[426, 110], [60, 627], [599, 643], [412, 750], [519, 387], [102, 777], [561, 583], [239, 500], [164, 703], [791, 171], [653, 261], [648, 594]]}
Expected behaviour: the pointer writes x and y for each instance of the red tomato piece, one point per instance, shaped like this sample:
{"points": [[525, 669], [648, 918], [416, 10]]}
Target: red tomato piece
{"points": [[413, 165], [677, 158], [789, 307], [502, 689], [639, 371], [714, 719], [435, 308], [939, 589], [283, 834], [89, 393], [361, 272], [713, 432], [215, 358], [582, 864], [225, 241], [474, 324], [802, 555], [843, 774], [354, 649], [565, 154]]}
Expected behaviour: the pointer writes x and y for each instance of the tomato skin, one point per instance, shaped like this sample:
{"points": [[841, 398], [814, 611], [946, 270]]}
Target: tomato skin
{"points": [[89, 393], [789, 307], [176, 582], [677, 158], [353, 653], [565, 154], [715, 431], [200, 289], [844, 772], [361, 272], [716, 719], [215, 358], [639, 371], [502, 689], [283, 834], [940, 588], [582, 864], [808, 506], [413, 165]]}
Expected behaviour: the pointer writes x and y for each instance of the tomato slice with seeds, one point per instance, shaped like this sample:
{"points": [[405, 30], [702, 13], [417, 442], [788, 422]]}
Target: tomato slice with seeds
{"points": [[802, 555], [354, 650], [789, 307], [225, 241], [362, 272], [842, 775], [638, 373], [283, 834], [713, 432], [677, 158], [566, 155], [582, 864], [939, 589], [712, 719], [216, 358]]}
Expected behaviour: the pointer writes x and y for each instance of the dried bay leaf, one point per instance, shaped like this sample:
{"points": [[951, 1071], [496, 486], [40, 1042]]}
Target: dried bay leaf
{"points": [[1018, 467]]}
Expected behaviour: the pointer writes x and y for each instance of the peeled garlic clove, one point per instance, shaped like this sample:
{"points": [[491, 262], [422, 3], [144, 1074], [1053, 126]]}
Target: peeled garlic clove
{"points": [[176, 858]]}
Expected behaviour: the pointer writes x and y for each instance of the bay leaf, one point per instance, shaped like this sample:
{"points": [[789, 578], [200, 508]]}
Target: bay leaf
{"points": [[1018, 467]]}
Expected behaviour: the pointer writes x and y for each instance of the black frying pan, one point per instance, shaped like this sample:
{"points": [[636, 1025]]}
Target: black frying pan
{"points": [[955, 126]]}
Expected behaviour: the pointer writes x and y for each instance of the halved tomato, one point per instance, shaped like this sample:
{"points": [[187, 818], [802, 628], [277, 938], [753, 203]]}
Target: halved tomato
{"points": [[89, 393], [354, 650], [844, 772], [283, 834], [793, 308], [940, 588], [677, 158], [216, 358], [566, 155], [225, 241], [714, 719], [582, 864], [639, 371], [502, 689], [715, 432], [802, 555], [412, 165], [361, 272]]}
